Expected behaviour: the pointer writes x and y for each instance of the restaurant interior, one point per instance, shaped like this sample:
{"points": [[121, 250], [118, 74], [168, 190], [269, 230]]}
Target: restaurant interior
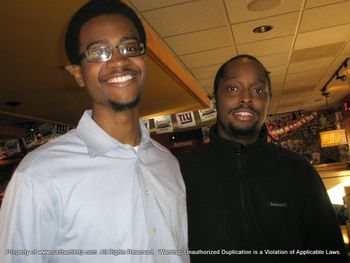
{"points": [[304, 44]]}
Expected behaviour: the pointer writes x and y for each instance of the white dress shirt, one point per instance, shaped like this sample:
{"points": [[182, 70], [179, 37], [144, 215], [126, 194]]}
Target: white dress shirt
{"points": [[85, 197]]}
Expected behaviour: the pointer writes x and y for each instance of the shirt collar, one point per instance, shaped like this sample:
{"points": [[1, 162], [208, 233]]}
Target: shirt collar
{"points": [[99, 142]]}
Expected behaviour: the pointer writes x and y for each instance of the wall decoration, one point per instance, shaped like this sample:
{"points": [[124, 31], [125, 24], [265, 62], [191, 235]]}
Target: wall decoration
{"points": [[185, 119], [163, 124], [207, 114], [288, 125], [12, 147]]}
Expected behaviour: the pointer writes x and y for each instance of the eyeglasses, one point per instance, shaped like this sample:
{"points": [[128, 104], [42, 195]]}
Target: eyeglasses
{"points": [[104, 53]]}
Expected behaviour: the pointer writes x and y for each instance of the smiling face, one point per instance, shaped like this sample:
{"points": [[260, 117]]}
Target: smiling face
{"points": [[242, 101], [117, 83]]}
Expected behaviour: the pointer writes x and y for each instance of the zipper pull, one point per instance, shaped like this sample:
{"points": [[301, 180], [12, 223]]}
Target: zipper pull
{"points": [[239, 149]]}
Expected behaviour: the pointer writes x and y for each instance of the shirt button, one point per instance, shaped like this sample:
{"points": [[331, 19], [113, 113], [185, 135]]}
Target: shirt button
{"points": [[146, 192], [154, 230]]}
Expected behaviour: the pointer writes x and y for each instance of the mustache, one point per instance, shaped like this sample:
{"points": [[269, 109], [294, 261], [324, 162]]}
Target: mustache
{"points": [[250, 107]]}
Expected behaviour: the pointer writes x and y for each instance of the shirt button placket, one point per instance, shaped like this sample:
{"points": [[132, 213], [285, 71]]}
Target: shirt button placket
{"points": [[154, 230]]}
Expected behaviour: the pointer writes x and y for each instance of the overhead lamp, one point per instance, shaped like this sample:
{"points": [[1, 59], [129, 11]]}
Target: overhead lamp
{"points": [[263, 5], [333, 138], [325, 93], [12, 103], [342, 77], [262, 29], [336, 76]]}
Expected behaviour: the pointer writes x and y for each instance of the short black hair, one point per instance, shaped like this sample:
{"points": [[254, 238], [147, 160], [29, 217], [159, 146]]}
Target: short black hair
{"points": [[221, 72], [90, 10]]}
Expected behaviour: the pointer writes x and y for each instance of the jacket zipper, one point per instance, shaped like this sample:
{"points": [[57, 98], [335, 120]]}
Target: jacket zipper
{"points": [[238, 152]]}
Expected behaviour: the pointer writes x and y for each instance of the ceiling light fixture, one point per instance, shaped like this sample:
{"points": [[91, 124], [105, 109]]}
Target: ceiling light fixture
{"points": [[342, 77], [262, 29], [262, 5], [336, 75], [338, 136], [12, 103]]}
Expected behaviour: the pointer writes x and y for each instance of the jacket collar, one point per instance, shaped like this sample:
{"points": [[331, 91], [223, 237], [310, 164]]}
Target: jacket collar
{"points": [[99, 142], [228, 147]]}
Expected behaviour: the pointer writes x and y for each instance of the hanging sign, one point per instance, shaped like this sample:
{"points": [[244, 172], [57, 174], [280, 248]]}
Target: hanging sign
{"points": [[163, 124], [185, 119], [207, 114]]}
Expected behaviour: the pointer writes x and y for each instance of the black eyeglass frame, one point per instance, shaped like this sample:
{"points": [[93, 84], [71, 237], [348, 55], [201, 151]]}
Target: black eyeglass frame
{"points": [[122, 48]]}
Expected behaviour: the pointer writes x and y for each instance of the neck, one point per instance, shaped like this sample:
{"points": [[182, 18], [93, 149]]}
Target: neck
{"points": [[122, 126], [237, 138]]}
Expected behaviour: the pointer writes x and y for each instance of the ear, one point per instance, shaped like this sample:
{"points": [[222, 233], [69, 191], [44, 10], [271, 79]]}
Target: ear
{"points": [[75, 70]]}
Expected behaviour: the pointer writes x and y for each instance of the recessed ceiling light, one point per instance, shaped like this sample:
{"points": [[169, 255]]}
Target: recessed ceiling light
{"points": [[263, 5], [262, 29], [12, 103]]}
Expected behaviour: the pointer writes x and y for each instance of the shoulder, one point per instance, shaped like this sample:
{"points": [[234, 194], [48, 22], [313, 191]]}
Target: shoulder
{"points": [[51, 154], [197, 162], [197, 155], [283, 153], [289, 161], [163, 154]]}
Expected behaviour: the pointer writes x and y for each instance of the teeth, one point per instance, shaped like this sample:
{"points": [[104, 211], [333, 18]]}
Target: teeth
{"points": [[120, 79], [243, 113]]}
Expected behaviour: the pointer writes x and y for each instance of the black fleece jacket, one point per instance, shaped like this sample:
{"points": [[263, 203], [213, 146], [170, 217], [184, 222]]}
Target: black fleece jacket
{"points": [[257, 198]]}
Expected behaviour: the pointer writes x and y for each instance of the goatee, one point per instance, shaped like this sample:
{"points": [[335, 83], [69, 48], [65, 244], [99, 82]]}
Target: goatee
{"points": [[243, 133], [118, 106]]}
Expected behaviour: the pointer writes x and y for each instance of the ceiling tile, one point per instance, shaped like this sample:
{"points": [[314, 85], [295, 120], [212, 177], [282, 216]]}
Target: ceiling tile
{"points": [[272, 108], [323, 81], [276, 94], [325, 16], [199, 41], [266, 47], [277, 80], [292, 98], [205, 72], [277, 71], [237, 10], [315, 3], [322, 37], [316, 99], [180, 19], [143, 5], [276, 89], [207, 58], [208, 84], [283, 25], [343, 88], [310, 64], [297, 89], [305, 76], [332, 68], [346, 49], [274, 60], [315, 52], [313, 106], [309, 82]]}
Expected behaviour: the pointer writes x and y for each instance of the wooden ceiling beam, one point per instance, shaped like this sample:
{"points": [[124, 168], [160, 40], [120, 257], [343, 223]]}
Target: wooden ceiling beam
{"points": [[163, 57]]}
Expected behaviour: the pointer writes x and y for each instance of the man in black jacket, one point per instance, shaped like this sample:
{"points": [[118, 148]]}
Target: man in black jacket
{"points": [[250, 200]]}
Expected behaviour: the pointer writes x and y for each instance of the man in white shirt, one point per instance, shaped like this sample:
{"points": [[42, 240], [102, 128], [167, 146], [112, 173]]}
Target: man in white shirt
{"points": [[105, 191]]}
